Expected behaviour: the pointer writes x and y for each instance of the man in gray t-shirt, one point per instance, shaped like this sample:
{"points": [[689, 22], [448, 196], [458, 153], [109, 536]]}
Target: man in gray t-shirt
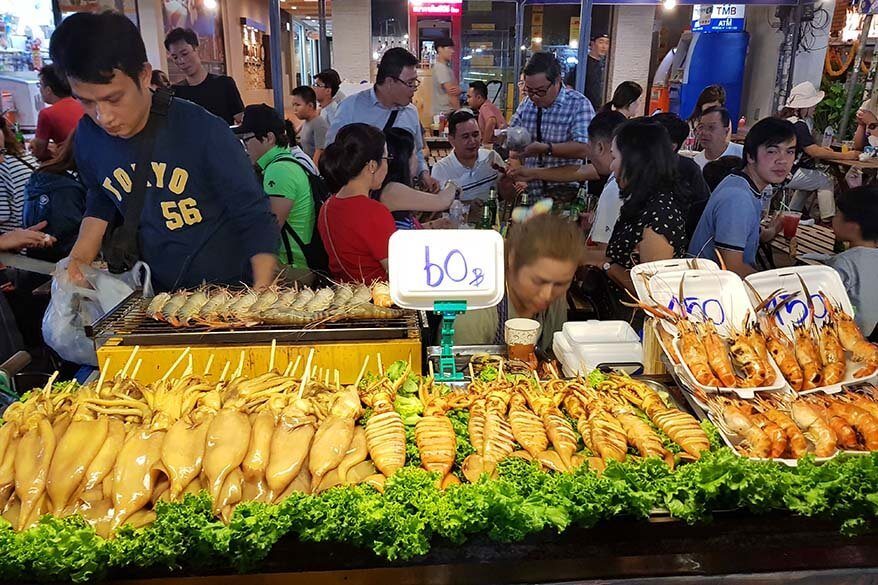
{"points": [[446, 90], [312, 134]]}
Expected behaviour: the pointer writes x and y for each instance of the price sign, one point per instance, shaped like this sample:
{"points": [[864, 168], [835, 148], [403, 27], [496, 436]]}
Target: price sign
{"points": [[446, 265]]}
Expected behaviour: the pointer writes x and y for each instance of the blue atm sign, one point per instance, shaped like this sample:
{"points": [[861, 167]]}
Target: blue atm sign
{"points": [[718, 18]]}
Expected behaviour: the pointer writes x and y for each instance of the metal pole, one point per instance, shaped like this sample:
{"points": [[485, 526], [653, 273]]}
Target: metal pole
{"points": [[324, 43], [277, 80], [797, 37], [519, 40], [584, 33], [852, 78]]}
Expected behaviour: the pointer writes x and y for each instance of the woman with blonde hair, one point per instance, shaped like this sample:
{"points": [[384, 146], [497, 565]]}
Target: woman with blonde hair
{"points": [[542, 255]]}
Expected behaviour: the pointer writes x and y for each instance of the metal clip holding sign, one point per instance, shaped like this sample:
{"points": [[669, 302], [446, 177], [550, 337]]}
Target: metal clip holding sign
{"points": [[447, 271]]}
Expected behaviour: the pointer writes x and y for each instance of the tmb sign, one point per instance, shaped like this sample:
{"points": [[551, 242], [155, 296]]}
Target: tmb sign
{"points": [[717, 17]]}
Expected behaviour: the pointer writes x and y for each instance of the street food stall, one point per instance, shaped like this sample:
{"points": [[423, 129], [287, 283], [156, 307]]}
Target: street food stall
{"points": [[184, 462]]}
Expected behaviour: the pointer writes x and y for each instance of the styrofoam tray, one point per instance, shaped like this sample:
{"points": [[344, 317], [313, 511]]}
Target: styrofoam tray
{"points": [[817, 279], [593, 331], [717, 295], [627, 356], [642, 273]]}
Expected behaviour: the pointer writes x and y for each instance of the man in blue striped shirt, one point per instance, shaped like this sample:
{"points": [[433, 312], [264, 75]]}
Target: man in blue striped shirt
{"points": [[557, 119]]}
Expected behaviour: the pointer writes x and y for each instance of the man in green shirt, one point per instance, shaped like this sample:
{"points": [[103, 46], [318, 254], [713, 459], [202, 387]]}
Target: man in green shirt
{"points": [[270, 142]]}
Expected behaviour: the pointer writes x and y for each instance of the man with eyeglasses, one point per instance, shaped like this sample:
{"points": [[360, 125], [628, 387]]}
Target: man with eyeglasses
{"points": [[326, 86], [557, 119], [389, 105]]}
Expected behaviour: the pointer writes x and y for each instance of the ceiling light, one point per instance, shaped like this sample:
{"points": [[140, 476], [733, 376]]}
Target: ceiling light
{"points": [[375, 55], [574, 44], [539, 40], [210, 5], [670, 4]]}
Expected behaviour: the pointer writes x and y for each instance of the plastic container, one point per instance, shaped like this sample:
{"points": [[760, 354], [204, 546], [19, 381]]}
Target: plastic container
{"points": [[594, 331], [642, 273], [818, 279], [626, 356]]}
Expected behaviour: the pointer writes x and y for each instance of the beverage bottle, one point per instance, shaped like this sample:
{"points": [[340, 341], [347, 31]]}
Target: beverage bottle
{"points": [[828, 136], [579, 205], [491, 206], [487, 222], [525, 200]]}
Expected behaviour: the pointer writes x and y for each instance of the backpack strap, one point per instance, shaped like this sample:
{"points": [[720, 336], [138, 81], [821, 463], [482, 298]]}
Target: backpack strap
{"points": [[287, 230], [124, 249]]}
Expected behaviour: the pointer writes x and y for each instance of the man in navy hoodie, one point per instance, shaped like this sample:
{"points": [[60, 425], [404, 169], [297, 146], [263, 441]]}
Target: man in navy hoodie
{"points": [[205, 217]]}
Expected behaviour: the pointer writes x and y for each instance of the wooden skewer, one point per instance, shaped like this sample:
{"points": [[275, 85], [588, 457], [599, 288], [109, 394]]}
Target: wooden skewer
{"points": [[337, 382], [136, 368], [209, 364], [173, 367], [287, 370], [326, 377], [240, 369], [130, 361], [225, 372], [101, 378], [292, 373], [189, 367], [472, 374], [307, 372], [380, 365], [271, 358], [362, 372], [54, 377], [430, 368]]}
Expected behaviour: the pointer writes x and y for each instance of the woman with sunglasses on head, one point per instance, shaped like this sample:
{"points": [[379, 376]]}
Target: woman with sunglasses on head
{"points": [[355, 229], [398, 193]]}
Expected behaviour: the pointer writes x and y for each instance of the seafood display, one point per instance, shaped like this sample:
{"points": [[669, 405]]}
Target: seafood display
{"points": [[219, 307], [788, 427], [110, 450]]}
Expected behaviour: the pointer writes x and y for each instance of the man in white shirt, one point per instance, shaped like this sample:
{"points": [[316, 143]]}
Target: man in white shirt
{"points": [[472, 168], [714, 132], [600, 134], [326, 87]]}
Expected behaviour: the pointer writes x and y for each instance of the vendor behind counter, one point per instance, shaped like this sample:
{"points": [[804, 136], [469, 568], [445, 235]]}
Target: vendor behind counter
{"points": [[542, 255]]}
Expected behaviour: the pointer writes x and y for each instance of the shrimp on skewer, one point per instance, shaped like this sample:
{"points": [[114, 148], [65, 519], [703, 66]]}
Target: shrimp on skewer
{"points": [[776, 341], [736, 420], [814, 427], [852, 339], [796, 442]]}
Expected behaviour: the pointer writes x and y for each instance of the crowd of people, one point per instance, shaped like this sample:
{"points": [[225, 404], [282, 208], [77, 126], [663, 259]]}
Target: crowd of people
{"points": [[204, 189]]}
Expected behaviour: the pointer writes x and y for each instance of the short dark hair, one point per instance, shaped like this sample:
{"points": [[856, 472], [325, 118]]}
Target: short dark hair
{"points": [[480, 87], [354, 147], [393, 62], [860, 206], [711, 93], [649, 165], [604, 124], [400, 147], [331, 79], [181, 34], [767, 132], [457, 118], [543, 62], [724, 115], [626, 94], [307, 94], [716, 170], [88, 47], [50, 77], [677, 128]]}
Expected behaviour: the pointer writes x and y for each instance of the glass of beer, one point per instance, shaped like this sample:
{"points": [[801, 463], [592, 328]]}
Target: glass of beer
{"points": [[521, 340]]}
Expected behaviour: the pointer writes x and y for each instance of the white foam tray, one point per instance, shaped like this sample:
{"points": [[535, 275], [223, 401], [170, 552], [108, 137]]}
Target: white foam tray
{"points": [[642, 273], [817, 279]]}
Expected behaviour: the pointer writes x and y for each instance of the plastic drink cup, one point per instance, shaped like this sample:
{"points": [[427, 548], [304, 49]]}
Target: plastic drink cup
{"points": [[790, 223], [521, 340]]}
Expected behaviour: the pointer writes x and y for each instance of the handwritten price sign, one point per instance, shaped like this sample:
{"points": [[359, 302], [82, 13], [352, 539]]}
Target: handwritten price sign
{"points": [[446, 265]]}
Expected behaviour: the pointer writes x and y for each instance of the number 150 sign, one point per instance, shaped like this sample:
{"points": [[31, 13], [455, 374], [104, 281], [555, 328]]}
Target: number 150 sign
{"points": [[427, 266]]}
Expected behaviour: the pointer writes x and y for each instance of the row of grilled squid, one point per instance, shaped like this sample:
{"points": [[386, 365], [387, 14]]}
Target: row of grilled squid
{"points": [[111, 450], [619, 415]]}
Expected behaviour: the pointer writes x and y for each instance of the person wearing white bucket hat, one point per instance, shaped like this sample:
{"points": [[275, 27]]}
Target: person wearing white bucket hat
{"points": [[799, 110]]}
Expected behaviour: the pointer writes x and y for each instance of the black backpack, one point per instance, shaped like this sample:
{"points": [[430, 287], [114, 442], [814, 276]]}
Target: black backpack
{"points": [[314, 251]]}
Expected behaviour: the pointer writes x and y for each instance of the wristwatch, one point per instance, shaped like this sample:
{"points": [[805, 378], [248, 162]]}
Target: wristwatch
{"points": [[549, 149], [606, 266]]}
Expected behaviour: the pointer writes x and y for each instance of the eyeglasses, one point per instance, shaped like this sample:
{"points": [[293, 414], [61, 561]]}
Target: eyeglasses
{"points": [[872, 126], [388, 158], [247, 137], [320, 85], [538, 92], [411, 83]]}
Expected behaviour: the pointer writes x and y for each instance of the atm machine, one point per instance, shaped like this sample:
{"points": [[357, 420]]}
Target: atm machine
{"points": [[714, 52], [430, 20]]}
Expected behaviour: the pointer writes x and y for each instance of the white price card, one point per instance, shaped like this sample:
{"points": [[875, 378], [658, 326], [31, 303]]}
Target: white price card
{"points": [[426, 266]]}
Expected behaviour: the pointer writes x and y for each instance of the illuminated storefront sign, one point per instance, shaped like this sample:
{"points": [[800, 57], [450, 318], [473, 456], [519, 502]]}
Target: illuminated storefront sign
{"points": [[435, 6]]}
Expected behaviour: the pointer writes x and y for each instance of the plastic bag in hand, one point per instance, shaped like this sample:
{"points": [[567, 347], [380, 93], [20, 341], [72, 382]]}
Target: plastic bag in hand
{"points": [[73, 307]]}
